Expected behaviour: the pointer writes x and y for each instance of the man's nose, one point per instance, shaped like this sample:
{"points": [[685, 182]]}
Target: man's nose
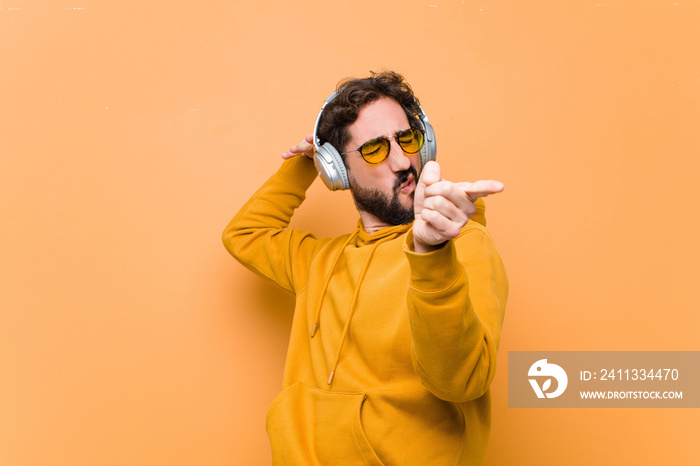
{"points": [[397, 158]]}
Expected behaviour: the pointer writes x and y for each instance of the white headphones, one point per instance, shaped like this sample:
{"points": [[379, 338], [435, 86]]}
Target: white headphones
{"points": [[330, 164]]}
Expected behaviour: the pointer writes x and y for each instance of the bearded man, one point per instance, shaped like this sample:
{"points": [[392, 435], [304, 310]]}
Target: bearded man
{"points": [[397, 324]]}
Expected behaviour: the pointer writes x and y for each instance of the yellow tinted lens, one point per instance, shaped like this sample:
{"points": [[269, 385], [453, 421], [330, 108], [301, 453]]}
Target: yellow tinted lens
{"points": [[375, 151], [410, 140]]}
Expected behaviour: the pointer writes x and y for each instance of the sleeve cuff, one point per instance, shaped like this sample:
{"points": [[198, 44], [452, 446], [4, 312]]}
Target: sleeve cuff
{"points": [[432, 271]]}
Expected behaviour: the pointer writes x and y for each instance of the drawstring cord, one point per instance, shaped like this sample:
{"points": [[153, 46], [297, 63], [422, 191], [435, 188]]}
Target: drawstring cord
{"points": [[317, 315], [353, 305]]}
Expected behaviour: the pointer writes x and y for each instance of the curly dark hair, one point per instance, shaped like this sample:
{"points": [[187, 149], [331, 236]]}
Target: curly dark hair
{"points": [[353, 94]]}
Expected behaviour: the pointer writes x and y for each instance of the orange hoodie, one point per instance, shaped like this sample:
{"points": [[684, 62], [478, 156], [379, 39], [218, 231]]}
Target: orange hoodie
{"points": [[391, 352]]}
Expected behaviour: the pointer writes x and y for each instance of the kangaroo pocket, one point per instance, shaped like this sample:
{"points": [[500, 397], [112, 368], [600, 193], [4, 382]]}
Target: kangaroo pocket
{"points": [[309, 426]]}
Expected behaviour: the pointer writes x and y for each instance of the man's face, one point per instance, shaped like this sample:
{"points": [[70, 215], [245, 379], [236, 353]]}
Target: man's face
{"points": [[385, 191]]}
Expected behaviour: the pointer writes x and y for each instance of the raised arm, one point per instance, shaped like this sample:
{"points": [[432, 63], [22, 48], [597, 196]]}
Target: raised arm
{"points": [[258, 236]]}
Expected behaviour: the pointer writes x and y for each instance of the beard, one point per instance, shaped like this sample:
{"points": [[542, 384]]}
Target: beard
{"points": [[384, 207]]}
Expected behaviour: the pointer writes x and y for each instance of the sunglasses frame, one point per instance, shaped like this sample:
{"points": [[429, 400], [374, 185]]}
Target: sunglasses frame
{"points": [[387, 142]]}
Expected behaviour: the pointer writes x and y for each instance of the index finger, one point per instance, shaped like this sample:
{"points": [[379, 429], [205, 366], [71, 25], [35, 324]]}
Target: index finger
{"points": [[481, 188]]}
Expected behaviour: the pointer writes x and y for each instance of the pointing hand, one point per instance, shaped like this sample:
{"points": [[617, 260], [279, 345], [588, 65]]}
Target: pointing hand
{"points": [[442, 207]]}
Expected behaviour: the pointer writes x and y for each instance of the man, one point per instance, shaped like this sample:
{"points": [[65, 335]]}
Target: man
{"points": [[397, 324]]}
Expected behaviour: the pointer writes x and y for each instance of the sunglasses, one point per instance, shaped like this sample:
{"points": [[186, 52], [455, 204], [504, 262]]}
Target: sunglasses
{"points": [[375, 151]]}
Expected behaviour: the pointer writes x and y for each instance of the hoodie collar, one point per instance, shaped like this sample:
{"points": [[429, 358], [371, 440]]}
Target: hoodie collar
{"points": [[363, 238]]}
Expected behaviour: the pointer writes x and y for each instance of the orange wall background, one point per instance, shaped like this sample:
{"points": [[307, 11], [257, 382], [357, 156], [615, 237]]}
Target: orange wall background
{"points": [[130, 133]]}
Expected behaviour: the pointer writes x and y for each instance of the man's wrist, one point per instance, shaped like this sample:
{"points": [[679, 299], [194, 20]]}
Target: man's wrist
{"points": [[423, 248]]}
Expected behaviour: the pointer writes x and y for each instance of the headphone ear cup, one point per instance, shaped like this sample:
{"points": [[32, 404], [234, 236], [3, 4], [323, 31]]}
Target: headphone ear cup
{"points": [[331, 168], [429, 150]]}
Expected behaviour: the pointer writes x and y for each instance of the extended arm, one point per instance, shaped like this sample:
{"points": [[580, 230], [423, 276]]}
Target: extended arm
{"points": [[457, 291]]}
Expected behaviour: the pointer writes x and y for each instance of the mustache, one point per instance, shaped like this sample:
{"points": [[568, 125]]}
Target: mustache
{"points": [[402, 176]]}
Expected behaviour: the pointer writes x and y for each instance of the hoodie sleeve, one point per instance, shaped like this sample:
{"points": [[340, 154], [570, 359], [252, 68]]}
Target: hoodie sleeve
{"points": [[456, 303], [258, 236]]}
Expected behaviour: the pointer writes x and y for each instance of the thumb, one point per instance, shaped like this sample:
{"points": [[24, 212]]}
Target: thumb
{"points": [[431, 174]]}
